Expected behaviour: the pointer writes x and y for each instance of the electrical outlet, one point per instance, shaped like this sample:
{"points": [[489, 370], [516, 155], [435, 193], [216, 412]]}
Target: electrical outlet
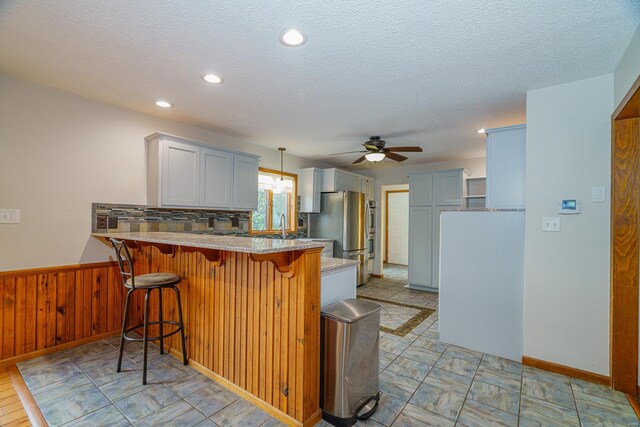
{"points": [[9, 216], [551, 223]]}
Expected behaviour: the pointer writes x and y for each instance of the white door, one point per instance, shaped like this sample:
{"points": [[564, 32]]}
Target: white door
{"points": [[398, 228]]}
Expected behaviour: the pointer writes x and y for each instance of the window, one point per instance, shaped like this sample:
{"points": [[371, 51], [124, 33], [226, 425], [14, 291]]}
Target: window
{"points": [[277, 195]]}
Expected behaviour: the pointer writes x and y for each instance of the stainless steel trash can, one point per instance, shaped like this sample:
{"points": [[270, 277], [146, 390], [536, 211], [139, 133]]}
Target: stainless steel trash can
{"points": [[350, 350]]}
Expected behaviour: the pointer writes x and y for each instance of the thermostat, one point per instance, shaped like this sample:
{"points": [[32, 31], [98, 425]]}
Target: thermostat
{"points": [[569, 207]]}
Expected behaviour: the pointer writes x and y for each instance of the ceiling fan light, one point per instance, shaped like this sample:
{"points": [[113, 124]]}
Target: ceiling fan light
{"points": [[375, 157]]}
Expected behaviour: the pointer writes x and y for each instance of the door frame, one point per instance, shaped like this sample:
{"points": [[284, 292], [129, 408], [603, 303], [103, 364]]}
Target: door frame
{"points": [[625, 242], [386, 226]]}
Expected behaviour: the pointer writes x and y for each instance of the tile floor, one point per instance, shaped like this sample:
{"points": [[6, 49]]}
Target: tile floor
{"points": [[80, 387], [425, 382], [422, 381]]}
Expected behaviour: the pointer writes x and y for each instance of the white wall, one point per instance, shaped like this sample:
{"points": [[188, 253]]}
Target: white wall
{"points": [[60, 152], [567, 273], [400, 175], [628, 69]]}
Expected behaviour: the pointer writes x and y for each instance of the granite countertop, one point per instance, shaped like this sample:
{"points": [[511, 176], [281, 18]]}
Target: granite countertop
{"points": [[249, 245], [330, 264]]}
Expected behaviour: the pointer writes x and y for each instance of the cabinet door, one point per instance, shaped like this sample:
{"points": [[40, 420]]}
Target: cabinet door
{"points": [[420, 245], [216, 185], [421, 190], [180, 174], [448, 187], [245, 182], [371, 189], [435, 279], [309, 189], [317, 190], [347, 182]]}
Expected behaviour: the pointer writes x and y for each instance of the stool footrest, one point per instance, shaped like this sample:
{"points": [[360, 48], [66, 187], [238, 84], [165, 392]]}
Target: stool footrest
{"points": [[141, 325]]}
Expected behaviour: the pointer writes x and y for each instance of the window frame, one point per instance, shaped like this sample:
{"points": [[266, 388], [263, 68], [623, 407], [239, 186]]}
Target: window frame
{"points": [[293, 208]]}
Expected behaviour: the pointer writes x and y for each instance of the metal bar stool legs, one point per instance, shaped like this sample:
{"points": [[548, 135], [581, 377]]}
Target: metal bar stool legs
{"points": [[184, 345], [147, 283]]}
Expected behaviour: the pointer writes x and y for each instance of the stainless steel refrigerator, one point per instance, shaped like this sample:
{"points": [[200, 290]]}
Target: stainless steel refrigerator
{"points": [[342, 219]]}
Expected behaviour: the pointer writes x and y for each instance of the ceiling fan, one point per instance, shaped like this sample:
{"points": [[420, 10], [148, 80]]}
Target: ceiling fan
{"points": [[376, 151]]}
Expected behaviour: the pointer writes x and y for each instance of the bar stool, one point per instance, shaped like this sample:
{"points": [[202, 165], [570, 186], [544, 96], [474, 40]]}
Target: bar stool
{"points": [[147, 283]]}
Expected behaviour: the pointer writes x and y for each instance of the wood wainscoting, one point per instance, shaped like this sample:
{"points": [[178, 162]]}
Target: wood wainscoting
{"points": [[44, 309], [251, 326]]}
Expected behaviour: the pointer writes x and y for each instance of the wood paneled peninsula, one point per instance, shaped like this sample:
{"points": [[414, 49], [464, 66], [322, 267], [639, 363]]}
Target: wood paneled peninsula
{"points": [[252, 313]]}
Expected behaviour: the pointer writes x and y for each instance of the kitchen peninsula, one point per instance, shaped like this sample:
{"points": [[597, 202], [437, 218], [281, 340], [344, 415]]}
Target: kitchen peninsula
{"points": [[252, 313]]}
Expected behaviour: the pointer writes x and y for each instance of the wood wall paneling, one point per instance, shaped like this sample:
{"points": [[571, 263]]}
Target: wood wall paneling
{"points": [[625, 211], [248, 323], [45, 308], [252, 323]]}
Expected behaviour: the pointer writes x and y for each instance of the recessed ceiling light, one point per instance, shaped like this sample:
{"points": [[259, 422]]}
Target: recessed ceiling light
{"points": [[481, 131], [164, 104], [212, 78], [291, 37]]}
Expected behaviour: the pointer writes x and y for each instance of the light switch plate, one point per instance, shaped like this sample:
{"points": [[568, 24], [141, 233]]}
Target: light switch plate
{"points": [[9, 216], [598, 194], [551, 223]]}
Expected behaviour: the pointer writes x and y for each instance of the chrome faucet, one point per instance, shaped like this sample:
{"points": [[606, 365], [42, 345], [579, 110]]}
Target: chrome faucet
{"points": [[283, 226]]}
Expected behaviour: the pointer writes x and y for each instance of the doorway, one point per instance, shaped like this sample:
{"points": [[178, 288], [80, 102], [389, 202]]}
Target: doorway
{"points": [[397, 248], [625, 242]]}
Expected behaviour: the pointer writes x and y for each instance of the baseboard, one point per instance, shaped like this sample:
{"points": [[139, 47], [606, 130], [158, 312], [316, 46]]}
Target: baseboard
{"points": [[635, 404], [566, 370], [6, 363], [281, 416], [379, 276], [26, 398]]}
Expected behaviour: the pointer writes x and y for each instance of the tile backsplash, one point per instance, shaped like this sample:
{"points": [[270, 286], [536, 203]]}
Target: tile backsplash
{"points": [[109, 217]]}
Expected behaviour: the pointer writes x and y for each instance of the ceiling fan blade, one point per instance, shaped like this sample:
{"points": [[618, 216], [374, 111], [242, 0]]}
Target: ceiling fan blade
{"points": [[349, 152], [404, 149], [396, 157], [359, 160]]}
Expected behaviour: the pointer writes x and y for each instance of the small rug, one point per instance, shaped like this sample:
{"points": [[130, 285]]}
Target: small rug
{"points": [[397, 318]]}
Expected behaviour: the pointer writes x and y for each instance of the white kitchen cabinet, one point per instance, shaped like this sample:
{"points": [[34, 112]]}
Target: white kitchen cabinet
{"points": [[310, 189], [368, 188], [216, 169], [180, 174], [245, 182], [339, 180], [420, 246], [185, 173], [448, 188], [421, 190], [506, 165], [429, 194]]}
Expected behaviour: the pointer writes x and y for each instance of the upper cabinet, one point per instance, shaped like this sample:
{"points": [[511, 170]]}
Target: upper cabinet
{"points": [[245, 183], [180, 177], [368, 187], [216, 168], [310, 187], [312, 182], [339, 180], [185, 173], [506, 165]]}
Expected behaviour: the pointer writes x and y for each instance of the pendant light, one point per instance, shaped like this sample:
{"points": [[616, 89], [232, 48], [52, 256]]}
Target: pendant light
{"points": [[282, 184]]}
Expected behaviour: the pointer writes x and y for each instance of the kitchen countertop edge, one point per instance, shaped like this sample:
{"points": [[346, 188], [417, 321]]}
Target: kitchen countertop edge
{"points": [[248, 245]]}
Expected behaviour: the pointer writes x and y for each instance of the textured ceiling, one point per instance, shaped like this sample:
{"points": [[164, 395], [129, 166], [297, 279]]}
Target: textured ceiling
{"points": [[429, 71]]}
